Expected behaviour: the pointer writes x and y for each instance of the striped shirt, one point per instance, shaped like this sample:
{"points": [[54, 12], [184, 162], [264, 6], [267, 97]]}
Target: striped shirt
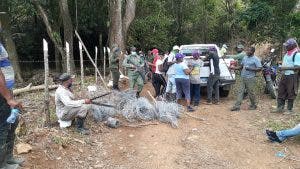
{"points": [[6, 68]]}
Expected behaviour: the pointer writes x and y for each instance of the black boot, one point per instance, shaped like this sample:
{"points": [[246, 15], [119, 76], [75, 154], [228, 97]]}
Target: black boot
{"points": [[290, 106], [80, 127], [137, 95], [115, 87], [280, 106]]}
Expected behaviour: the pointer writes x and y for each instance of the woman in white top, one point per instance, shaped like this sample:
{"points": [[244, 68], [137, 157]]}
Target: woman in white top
{"points": [[159, 82]]}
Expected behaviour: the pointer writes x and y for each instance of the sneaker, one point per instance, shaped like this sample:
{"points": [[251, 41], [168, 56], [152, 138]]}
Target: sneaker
{"points": [[190, 109], [209, 103], [273, 136], [252, 107], [196, 104], [216, 102], [235, 109]]}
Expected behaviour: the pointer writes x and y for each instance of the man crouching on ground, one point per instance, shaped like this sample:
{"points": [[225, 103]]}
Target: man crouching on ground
{"points": [[67, 109]]}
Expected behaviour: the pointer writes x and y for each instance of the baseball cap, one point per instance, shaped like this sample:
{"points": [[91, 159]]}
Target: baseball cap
{"points": [[290, 41], [65, 76], [196, 53], [179, 55], [175, 47]]}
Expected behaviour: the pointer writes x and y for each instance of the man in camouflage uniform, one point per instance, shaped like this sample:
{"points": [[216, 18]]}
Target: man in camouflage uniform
{"points": [[134, 64], [114, 66], [240, 54]]}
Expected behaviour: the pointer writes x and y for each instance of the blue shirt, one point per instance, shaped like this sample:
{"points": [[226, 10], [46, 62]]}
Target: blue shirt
{"points": [[288, 62], [179, 70], [251, 62]]}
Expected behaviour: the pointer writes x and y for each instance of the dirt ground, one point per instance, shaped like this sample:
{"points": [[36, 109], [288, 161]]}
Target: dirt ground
{"points": [[224, 139]]}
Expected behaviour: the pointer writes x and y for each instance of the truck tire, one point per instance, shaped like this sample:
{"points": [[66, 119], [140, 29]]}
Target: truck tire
{"points": [[224, 93]]}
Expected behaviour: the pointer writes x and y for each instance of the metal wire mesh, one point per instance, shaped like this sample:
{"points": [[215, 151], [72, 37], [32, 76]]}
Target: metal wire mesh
{"points": [[133, 109]]}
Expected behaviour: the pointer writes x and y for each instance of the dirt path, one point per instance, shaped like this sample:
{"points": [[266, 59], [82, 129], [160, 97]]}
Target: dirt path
{"points": [[224, 139]]}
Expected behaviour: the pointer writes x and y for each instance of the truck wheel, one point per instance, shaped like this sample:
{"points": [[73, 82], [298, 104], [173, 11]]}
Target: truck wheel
{"points": [[224, 93]]}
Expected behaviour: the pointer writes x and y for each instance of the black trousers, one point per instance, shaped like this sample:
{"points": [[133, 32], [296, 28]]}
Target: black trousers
{"points": [[287, 87], [7, 132], [159, 83]]}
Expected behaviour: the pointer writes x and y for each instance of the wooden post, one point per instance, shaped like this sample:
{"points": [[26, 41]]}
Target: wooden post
{"points": [[68, 58], [104, 64], [81, 65], [96, 57], [89, 56], [46, 96]]}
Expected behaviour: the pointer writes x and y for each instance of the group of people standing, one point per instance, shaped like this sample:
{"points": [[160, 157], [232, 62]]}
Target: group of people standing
{"points": [[173, 77]]}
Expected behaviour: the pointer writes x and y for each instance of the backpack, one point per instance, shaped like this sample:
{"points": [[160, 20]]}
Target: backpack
{"points": [[165, 67], [294, 61]]}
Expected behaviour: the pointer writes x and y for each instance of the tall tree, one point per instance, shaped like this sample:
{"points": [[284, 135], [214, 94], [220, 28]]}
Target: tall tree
{"points": [[53, 35], [119, 24], [6, 35], [68, 29]]}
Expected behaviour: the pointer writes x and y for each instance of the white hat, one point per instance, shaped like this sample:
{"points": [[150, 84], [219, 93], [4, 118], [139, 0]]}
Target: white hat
{"points": [[225, 46], [175, 47]]}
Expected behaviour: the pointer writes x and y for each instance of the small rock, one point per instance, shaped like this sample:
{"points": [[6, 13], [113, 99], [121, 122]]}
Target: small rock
{"points": [[98, 166], [131, 135], [80, 150], [23, 148], [58, 158], [194, 129]]}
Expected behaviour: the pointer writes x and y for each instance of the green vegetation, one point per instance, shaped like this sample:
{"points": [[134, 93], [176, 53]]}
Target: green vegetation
{"points": [[157, 23]]}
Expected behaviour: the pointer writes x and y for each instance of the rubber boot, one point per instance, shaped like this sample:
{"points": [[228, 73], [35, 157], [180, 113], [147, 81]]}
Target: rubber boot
{"points": [[116, 87], [137, 95], [290, 106], [80, 127], [12, 160], [280, 106]]}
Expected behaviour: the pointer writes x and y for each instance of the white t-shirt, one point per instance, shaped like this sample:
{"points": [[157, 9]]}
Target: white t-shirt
{"points": [[171, 58], [158, 62]]}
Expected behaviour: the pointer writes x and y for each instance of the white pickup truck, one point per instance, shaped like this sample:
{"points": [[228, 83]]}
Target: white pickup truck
{"points": [[227, 77]]}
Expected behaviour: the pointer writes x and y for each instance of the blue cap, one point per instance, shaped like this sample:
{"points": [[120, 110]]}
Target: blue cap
{"points": [[179, 56], [290, 42], [195, 53]]}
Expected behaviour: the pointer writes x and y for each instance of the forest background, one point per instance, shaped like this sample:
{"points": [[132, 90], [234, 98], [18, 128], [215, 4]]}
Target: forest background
{"points": [[143, 23]]}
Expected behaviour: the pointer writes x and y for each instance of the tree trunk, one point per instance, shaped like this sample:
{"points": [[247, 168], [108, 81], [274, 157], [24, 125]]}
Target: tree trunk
{"points": [[128, 18], [10, 44], [58, 65], [50, 32], [115, 32], [68, 29]]}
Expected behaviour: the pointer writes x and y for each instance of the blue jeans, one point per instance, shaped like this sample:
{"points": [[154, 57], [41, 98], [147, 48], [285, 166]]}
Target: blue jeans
{"points": [[284, 134], [183, 87], [171, 85], [195, 93]]}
